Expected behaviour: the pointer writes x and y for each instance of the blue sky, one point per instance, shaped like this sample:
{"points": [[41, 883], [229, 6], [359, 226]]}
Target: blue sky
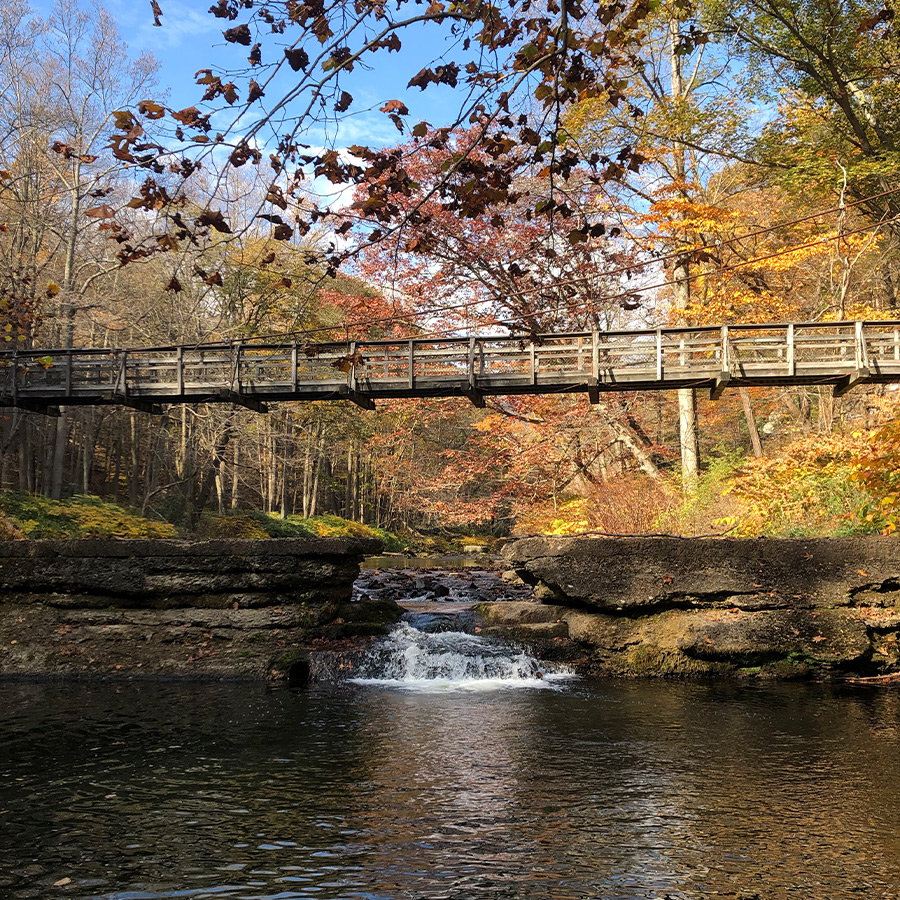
{"points": [[191, 39]]}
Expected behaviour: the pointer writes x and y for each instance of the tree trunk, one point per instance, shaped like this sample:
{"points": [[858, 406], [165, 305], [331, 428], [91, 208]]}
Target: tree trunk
{"points": [[755, 442], [687, 397]]}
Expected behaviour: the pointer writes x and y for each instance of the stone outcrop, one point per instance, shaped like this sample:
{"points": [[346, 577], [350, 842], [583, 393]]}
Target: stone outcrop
{"points": [[688, 606], [214, 609]]}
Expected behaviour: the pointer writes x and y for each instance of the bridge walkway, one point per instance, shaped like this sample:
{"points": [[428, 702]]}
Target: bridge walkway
{"points": [[842, 354]]}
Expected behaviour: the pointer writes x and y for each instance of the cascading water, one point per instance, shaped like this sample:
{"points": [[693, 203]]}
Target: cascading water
{"points": [[429, 657]]}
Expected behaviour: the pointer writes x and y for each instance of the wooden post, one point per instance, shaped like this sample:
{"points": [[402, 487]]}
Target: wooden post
{"points": [[294, 385], [595, 356], [68, 373], [791, 358], [122, 382], [351, 374], [236, 368], [659, 355], [411, 365], [532, 362], [179, 365], [862, 356], [897, 344], [724, 358]]}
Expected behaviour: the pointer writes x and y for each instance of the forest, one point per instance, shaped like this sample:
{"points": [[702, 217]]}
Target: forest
{"points": [[608, 166]]}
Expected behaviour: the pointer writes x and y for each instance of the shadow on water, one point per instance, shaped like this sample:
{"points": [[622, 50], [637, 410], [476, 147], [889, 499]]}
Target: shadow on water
{"points": [[605, 790]]}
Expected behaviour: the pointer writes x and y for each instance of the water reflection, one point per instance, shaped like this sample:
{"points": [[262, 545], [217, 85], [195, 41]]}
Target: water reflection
{"points": [[617, 791]]}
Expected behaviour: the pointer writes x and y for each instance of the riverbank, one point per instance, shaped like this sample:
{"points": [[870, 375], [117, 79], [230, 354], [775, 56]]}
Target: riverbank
{"points": [[694, 607], [202, 609]]}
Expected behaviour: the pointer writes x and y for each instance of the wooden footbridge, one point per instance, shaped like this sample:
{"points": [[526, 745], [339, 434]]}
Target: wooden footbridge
{"points": [[842, 354]]}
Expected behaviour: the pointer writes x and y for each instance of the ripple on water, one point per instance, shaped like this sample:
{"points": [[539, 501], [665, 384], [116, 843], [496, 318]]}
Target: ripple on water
{"points": [[610, 791]]}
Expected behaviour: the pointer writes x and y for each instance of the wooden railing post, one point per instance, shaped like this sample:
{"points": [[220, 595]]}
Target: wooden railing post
{"points": [[659, 355], [532, 361], [595, 356], [236, 368], [791, 358], [411, 364], [68, 373], [724, 355], [351, 372], [121, 383], [294, 360], [862, 354], [179, 366]]}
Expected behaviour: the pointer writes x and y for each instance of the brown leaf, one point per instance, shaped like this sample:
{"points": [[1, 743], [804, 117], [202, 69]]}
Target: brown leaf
{"points": [[395, 106], [276, 197], [125, 121], [297, 58], [157, 12], [240, 34], [105, 211], [214, 219], [151, 110], [283, 233], [174, 285], [344, 102], [188, 116], [255, 92]]}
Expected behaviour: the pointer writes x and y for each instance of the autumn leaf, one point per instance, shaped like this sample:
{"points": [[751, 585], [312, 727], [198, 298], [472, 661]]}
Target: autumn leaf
{"points": [[297, 58], [255, 91], [151, 110], [240, 34], [105, 211], [214, 219], [157, 12], [395, 106], [174, 285]]}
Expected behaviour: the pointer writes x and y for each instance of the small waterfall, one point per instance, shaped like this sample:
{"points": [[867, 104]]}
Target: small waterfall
{"points": [[430, 658]]}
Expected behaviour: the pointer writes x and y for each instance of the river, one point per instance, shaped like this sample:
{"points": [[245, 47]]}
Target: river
{"points": [[558, 789]]}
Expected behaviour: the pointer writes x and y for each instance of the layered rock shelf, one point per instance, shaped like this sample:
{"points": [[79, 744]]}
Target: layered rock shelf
{"points": [[823, 608], [213, 609]]}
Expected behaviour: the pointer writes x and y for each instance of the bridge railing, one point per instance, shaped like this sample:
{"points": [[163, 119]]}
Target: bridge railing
{"points": [[762, 352]]}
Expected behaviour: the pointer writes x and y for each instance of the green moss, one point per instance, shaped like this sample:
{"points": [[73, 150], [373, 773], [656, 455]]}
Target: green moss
{"points": [[81, 516], [255, 525]]}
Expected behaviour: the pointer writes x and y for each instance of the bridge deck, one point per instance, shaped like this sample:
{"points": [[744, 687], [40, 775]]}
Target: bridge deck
{"points": [[842, 354]]}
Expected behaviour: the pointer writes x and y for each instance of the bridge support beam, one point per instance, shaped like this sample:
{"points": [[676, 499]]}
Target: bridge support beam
{"points": [[718, 388], [594, 394], [154, 409], [476, 398], [848, 382], [44, 409], [251, 403], [360, 400]]}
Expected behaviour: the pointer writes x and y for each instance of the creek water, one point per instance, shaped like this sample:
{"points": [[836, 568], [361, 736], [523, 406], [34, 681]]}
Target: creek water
{"points": [[449, 769]]}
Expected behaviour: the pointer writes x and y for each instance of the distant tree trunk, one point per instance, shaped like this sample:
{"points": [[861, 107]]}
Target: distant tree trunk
{"points": [[58, 458], [687, 397], [755, 442]]}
